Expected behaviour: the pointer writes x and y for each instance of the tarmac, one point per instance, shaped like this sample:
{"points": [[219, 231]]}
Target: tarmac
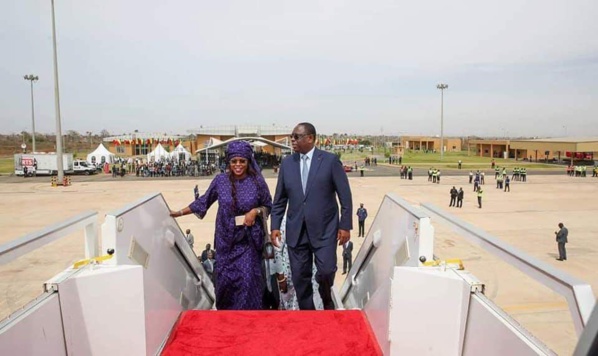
{"points": [[526, 218]]}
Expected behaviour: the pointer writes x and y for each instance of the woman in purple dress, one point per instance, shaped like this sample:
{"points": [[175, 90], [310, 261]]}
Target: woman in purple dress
{"points": [[241, 192]]}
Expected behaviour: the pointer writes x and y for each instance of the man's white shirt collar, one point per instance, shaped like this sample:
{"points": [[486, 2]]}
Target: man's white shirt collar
{"points": [[310, 154]]}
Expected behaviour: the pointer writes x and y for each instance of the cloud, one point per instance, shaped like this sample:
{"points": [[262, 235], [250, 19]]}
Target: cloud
{"points": [[365, 67]]}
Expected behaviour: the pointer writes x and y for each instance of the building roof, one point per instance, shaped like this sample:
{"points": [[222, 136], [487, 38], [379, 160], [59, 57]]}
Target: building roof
{"points": [[242, 130], [562, 139], [145, 136], [560, 144], [488, 141], [428, 138], [217, 143]]}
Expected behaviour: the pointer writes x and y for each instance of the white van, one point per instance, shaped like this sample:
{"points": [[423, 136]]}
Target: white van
{"points": [[82, 167]]}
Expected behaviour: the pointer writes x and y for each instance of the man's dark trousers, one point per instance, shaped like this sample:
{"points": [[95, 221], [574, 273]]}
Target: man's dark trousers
{"points": [[301, 258], [562, 251], [361, 228], [347, 263]]}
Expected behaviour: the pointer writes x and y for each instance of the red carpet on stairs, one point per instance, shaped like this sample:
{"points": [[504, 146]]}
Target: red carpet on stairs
{"points": [[281, 333]]}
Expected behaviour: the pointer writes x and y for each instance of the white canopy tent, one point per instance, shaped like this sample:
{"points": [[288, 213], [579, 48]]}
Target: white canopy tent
{"points": [[180, 152], [158, 154], [101, 155], [213, 141]]}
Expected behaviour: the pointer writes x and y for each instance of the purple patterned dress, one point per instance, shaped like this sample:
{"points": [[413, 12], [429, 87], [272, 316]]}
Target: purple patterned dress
{"points": [[239, 281]]}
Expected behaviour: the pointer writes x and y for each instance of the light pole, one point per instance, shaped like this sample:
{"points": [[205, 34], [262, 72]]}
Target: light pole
{"points": [[57, 103], [32, 78], [89, 138], [442, 87]]}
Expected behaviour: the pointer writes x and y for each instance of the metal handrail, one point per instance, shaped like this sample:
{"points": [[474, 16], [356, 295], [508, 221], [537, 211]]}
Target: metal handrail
{"points": [[21, 246], [578, 293]]}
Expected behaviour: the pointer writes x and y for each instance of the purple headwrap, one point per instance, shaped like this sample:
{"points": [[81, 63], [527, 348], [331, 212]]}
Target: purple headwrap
{"points": [[242, 149]]}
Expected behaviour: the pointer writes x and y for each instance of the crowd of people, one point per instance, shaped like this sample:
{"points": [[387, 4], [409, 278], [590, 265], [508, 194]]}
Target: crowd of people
{"points": [[370, 161], [406, 172], [434, 175], [162, 168], [580, 171], [395, 160], [170, 167]]}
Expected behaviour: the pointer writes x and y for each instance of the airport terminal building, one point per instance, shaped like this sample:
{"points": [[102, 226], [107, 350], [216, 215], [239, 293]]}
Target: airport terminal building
{"points": [[430, 143], [544, 149]]}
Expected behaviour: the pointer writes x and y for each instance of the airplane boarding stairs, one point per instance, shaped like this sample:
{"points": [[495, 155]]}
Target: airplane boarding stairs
{"points": [[152, 296]]}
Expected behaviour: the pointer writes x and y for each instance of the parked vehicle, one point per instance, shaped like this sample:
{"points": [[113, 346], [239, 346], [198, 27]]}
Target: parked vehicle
{"points": [[82, 167], [42, 163]]}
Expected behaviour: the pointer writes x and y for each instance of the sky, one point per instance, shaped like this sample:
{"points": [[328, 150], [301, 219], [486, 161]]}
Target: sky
{"points": [[513, 67]]}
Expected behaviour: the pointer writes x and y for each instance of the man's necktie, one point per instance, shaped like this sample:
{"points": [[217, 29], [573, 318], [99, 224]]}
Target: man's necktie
{"points": [[304, 172]]}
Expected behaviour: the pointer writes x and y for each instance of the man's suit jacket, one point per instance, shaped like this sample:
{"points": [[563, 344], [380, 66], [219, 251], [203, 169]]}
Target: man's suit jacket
{"points": [[348, 249], [561, 236], [318, 207]]}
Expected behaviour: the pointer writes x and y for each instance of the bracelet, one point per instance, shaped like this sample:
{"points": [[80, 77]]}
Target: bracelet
{"points": [[181, 213], [282, 280]]}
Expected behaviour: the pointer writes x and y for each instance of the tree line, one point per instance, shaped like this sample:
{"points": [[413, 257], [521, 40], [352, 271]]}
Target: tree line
{"points": [[73, 141]]}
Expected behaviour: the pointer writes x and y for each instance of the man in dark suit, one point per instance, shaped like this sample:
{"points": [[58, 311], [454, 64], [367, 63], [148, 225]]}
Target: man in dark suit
{"points": [[347, 256], [309, 181], [204, 253], [561, 239], [454, 193], [460, 194], [362, 214]]}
